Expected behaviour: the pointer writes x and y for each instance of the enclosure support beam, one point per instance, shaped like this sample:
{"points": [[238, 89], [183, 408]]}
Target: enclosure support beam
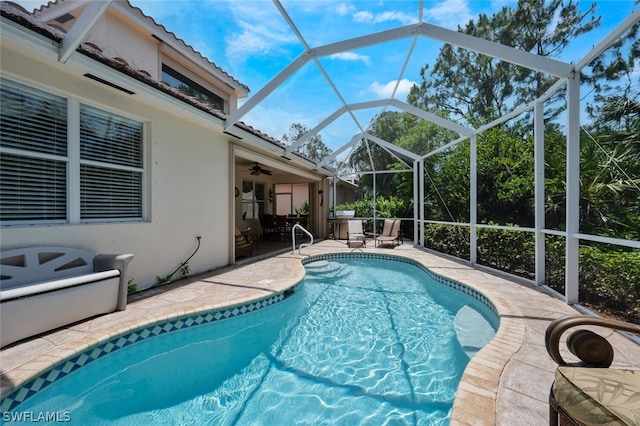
{"points": [[573, 189], [91, 14], [473, 199], [419, 180], [538, 155]]}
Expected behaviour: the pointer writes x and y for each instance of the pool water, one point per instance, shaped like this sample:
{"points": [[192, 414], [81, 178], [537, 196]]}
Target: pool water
{"points": [[367, 342]]}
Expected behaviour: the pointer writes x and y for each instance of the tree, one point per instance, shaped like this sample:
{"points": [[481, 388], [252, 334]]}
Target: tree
{"points": [[475, 88], [368, 156], [314, 148]]}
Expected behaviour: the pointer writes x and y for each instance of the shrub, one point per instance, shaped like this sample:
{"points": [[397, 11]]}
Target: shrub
{"points": [[507, 250], [609, 278], [449, 239], [610, 281]]}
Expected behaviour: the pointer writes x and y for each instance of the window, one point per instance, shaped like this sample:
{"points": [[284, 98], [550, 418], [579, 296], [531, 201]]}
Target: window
{"points": [[252, 199], [292, 198], [190, 87], [110, 165], [51, 172]]}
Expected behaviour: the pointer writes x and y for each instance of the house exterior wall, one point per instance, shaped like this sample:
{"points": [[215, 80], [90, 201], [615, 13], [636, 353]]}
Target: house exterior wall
{"points": [[187, 180], [116, 38]]}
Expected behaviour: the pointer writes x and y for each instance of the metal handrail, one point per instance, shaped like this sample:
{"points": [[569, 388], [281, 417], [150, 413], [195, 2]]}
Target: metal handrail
{"points": [[293, 237]]}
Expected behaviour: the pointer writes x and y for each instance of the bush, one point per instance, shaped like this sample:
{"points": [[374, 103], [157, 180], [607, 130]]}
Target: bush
{"points": [[392, 207], [449, 239], [610, 281], [609, 278], [509, 251]]}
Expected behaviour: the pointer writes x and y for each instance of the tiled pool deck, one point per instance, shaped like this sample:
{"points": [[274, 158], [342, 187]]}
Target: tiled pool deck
{"points": [[506, 383]]}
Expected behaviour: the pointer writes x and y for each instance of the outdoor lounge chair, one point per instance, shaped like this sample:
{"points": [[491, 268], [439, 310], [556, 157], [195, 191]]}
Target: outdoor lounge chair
{"points": [[390, 233], [355, 234], [244, 242], [589, 392]]}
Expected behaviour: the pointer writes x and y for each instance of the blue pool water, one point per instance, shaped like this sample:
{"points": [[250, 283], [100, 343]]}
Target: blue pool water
{"points": [[362, 341]]}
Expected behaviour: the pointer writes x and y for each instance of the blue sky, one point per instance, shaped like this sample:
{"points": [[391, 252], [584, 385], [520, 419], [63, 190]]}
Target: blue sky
{"points": [[252, 41]]}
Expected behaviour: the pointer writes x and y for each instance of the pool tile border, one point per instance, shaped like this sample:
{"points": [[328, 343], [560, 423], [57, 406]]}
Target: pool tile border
{"points": [[509, 337], [68, 366]]}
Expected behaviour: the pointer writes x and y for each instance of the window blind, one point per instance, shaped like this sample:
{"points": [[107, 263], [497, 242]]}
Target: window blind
{"points": [[32, 189], [33, 163], [32, 119], [110, 193]]}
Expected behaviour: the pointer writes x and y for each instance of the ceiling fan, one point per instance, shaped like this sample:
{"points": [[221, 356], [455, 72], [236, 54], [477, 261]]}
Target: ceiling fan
{"points": [[257, 170]]}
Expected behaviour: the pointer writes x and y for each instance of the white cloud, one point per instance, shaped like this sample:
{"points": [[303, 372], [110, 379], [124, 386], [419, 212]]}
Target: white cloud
{"points": [[344, 9], [350, 56], [275, 122], [449, 13], [261, 31], [386, 90], [364, 16]]}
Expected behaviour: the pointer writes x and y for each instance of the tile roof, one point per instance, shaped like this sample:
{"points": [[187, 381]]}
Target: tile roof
{"points": [[19, 15], [164, 30]]}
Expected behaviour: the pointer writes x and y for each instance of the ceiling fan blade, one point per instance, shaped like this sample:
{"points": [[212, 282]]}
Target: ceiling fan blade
{"points": [[266, 172]]}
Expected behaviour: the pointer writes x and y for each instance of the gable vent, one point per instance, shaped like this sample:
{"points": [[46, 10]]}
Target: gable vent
{"points": [[65, 18]]}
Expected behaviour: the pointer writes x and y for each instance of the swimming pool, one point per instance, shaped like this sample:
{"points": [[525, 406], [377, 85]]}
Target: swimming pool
{"points": [[352, 345]]}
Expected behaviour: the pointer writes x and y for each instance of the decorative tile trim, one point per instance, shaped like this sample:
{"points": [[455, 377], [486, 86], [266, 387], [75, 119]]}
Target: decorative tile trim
{"points": [[456, 285], [68, 366]]}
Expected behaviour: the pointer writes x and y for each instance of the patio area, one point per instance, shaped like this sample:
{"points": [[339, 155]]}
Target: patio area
{"points": [[507, 382]]}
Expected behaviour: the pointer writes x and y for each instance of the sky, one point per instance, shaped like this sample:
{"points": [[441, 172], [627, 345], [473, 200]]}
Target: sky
{"points": [[252, 41]]}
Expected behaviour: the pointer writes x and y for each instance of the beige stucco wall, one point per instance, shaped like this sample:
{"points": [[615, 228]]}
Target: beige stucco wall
{"points": [[117, 39], [187, 191]]}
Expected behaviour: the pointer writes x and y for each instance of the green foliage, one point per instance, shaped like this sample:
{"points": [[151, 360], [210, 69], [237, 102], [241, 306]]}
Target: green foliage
{"points": [[303, 209], [511, 251], [477, 88], [314, 148], [505, 178], [183, 268], [609, 278], [386, 207], [452, 240], [132, 286]]}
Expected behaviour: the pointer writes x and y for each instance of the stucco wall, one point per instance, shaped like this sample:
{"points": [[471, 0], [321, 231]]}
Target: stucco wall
{"points": [[118, 39], [188, 182]]}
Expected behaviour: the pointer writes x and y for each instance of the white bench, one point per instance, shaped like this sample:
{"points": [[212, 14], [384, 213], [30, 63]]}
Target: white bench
{"points": [[43, 288]]}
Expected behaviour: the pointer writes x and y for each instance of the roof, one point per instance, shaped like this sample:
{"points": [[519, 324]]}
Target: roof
{"points": [[162, 33], [19, 15]]}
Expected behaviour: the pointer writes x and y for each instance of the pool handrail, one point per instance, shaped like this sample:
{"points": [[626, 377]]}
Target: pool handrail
{"points": [[293, 237]]}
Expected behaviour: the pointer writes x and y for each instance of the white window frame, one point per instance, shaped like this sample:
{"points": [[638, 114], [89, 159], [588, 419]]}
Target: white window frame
{"points": [[254, 202], [74, 162]]}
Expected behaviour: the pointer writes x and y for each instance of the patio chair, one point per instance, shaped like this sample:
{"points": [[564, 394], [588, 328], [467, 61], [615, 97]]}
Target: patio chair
{"points": [[282, 227], [268, 225], [355, 234], [390, 233], [588, 392], [244, 242]]}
